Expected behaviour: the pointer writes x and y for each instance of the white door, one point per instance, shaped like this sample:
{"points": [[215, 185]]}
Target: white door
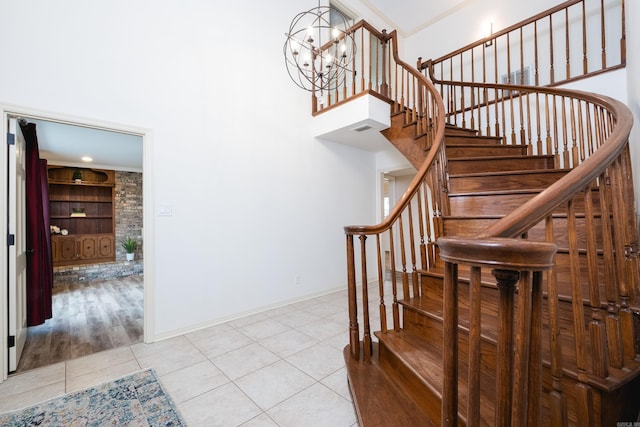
{"points": [[16, 203]]}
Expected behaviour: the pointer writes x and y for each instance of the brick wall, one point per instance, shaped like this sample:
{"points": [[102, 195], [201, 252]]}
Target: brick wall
{"points": [[128, 199]]}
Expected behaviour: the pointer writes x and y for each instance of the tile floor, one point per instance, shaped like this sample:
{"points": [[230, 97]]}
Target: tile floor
{"points": [[283, 367]]}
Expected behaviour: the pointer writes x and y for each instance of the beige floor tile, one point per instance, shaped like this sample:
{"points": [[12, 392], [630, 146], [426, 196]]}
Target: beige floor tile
{"points": [[342, 317], [170, 360], [324, 329], [208, 333], [297, 318], [338, 341], [263, 329], [247, 320], [304, 305], [32, 380], [309, 408], [31, 397], [327, 309], [288, 343], [274, 384], [318, 361], [244, 360], [261, 420], [225, 406], [222, 343], [338, 382], [192, 381], [141, 350], [232, 374], [98, 361], [102, 375], [279, 311]]}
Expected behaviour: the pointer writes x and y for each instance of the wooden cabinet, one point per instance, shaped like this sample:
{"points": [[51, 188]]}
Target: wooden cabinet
{"points": [[81, 201]]}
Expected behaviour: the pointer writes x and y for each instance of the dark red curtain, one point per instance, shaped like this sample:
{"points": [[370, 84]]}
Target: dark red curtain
{"points": [[39, 260]]}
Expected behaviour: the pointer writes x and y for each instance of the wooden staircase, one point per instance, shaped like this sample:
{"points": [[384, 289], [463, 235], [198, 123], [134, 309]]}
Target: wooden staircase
{"points": [[514, 291], [402, 383]]}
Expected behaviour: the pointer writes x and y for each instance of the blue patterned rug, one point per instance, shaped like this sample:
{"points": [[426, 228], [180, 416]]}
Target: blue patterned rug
{"points": [[135, 400]]}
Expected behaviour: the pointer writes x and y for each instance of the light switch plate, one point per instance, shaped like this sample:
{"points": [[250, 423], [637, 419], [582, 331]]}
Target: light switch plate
{"points": [[165, 210]]}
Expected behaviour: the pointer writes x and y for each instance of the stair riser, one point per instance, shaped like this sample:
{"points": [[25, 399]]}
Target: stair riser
{"points": [[484, 151], [467, 227], [515, 181], [456, 167], [433, 332], [463, 139], [501, 204], [459, 132], [422, 394]]}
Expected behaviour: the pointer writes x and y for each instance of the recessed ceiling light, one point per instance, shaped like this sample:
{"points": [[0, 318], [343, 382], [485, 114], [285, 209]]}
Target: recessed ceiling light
{"points": [[87, 159]]}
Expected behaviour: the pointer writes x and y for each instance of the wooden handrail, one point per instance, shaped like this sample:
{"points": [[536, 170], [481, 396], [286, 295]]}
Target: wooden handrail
{"points": [[562, 6], [544, 203], [438, 142], [407, 102]]}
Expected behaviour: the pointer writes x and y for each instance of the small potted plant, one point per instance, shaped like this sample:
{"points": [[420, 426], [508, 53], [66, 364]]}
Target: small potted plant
{"points": [[77, 176], [129, 245]]}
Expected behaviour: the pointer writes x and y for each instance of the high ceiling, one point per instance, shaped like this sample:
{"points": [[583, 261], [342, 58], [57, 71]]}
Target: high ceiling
{"points": [[411, 16]]}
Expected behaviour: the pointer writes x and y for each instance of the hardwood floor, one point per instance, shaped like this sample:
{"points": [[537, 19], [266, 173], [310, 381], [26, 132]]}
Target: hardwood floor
{"points": [[87, 317]]}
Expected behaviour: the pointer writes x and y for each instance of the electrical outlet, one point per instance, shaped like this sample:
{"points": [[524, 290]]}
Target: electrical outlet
{"points": [[297, 280]]}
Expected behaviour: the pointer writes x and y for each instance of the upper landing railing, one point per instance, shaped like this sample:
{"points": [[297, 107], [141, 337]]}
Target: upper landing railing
{"points": [[574, 40]]}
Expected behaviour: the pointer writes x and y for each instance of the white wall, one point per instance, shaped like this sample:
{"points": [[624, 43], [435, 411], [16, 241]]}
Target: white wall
{"points": [[633, 82], [256, 201], [468, 24]]}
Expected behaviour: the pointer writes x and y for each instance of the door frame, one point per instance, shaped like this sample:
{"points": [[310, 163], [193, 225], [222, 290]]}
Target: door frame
{"points": [[146, 134]]}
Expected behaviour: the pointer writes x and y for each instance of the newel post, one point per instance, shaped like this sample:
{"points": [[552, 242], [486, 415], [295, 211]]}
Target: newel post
{"points": [[506, 281], [514, 262], [450, 346]]}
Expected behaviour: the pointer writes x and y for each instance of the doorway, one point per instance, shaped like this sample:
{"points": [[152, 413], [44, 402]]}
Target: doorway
{"points": [[393, 184], [81, 125]]}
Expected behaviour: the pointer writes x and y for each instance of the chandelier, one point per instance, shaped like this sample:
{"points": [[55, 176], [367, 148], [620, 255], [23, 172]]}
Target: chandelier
{"points": [[319, 49]]}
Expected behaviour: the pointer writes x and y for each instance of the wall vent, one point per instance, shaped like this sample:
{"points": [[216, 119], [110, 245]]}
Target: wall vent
{"points": [[362, 128], [515, 77]]}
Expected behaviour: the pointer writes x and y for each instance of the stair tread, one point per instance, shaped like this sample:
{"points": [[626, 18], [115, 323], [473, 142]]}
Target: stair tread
{"points": [[377, 399], [473, 140], [425, 360], [515, 172], [498, 192], [449, 126], [481, 144], [468, 159]]}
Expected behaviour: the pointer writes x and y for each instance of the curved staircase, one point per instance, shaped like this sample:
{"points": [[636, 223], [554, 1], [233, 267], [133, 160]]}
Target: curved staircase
{"points": [[513, 294], [402, 384]]}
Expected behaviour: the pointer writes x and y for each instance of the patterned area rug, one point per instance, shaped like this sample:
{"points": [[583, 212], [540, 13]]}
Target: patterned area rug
{"points": [[135, 400]]}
